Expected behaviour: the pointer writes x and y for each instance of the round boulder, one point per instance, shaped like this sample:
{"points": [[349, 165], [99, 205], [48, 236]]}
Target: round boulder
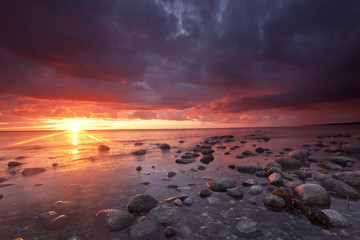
{"points": [[141, 203], [221, 184], [313, 194], [115, 219]]}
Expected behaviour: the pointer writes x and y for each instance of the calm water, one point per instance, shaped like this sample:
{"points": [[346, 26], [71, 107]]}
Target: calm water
{"points": [[94, 180]]}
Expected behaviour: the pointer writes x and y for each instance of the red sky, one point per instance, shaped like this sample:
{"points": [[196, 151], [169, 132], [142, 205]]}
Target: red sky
{"points": [[160, 64]]}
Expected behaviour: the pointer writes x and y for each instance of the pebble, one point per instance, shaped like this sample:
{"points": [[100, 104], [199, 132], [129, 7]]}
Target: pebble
{"points": [[255, 190], [170, 174], [170, 231], [178, 203], [188, 201], [249, 182], [204, 193], [138, 168]]}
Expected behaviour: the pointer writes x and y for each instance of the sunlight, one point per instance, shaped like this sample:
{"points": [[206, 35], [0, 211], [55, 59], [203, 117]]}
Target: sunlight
{"points": [[75, 129]]}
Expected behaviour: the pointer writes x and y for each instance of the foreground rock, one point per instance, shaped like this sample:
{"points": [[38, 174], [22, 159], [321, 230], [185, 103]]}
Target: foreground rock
{"points": [[275, 202], [313, 195], [249, 168], [143, 229], [103, 148], [204, 193], [221, 184], [340, 188], [167, 216], [141, 203], [303, 173], [351, 178], [115, 219], [52, 220], [255, 190], [170, 231], [301, 155], [32, 171], [341, 160], [235, 192], [276, 179], [352, 148], [329, 218], [247, 225], [288, 162]]}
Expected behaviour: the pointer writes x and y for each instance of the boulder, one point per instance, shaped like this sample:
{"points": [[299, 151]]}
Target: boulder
{"points": [[185, 160], [274, 170], [301, 155], [273, 164], [276, 179], [221, 184], [32, 171], [103, 148], [143, 229], [204, 193], [352, 148], [249, 183], [288, 162], [314, 195], [273, 201], [351, 178], [167, 216], [329, 218], [206, 159], [141, 203], [341, 160], [340, 188], [188, 201], [235, 192], [249, 168], [115, 219], [247, 225], [164, 146], [329, 165]]}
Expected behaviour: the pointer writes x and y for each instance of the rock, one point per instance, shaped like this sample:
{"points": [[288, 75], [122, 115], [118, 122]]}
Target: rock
{"points": [[249, 183], [274, 201], [14, 164], [287, 149], [351, 178], [204, 193], [227, 153], [235, 192], [320, 177], [32, 171], [273, 164], [115, 219], [288, 162], [314, 195], [260, 174], [293, 185], [247, 225], [201, 167], [164, 146], [52, 220], [103, 148], [1, 196], [143, 229], [240, 156], [255, 190], [188, 201], [141, 203], [170, 174], [167, 216], [178, 203], [329, 218], [275, 179], [207, 151], [335, 148], [206, 159], [139, 152], [221, 184], [185, 160], [231, 166], [65, 205], [259, 150], [274, 170], [341, 160], [249, 168], [174, 186], [138, 144], [340, 188], [170, 231], [329, 165], [2, 179], [301, 155], [248, 153], [352, 148], [303, 173], [138, 168]]}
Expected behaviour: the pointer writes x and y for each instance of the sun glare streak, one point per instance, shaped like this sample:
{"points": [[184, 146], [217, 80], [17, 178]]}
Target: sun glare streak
{"points": [[38, 138], [96, 138]]}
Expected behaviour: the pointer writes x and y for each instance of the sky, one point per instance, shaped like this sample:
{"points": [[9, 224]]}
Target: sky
{"points": [[178, 64]]}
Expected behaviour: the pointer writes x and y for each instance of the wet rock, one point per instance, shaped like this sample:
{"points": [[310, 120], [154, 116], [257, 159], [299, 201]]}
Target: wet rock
{"points": [[352, 148], [206, 159], [247, 225], [273, 164], [351, 178], [52, 220], [259, 150], [167, 216], [115, 219], [185, 160], [138, 144], [170, 174], [19, 158], [274, 170], [275, 179], [139, 152], [249, 183], [143, 229], [320, 177], [138, 168], [103, 148], [313, 194], [303, 173], [340, 188], [188, 201], [249, 168], [174, 186], [170, 231], [2, 179], [260, 174], [187, 155], [288, 162], [329, 218], [1, 196], [65, 205], [141, 203], [204, 193], [32, 171], [164, 146], [240, 156], [301, 155], [221, 184], [235, 192], [255, 190], [287, 149], [231, 166], [227, 153], [201, 167], [221, 147], [273, 201], [341, 160], [14, 164], [329, 165], [248, 153], [252, 201], [335, 148], [178, 203], [207, 151]]}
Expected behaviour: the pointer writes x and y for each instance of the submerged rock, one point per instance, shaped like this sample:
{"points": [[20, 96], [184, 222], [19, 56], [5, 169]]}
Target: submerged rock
{"points": [[170, 174], [249, 168], [164, 146], [141, 203], [351, 178], [204, 193], [221, 184], [340, 188], [314, 195], [206, 159], [103, 148], [115, 219], [14, 164], [32, 171], [52, 220], [185, 160], [248, 153], [139, 152], [274, 201], [288, 162], [329, 218], [143, 229], [167, 216], [235, 192], [247, 225]]}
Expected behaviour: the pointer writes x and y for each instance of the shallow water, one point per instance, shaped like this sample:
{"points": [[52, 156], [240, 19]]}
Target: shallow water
{"points": [[94, 180]]}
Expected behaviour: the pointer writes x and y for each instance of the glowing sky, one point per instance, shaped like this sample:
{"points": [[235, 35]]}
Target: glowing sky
{"points": [[175, 64]]}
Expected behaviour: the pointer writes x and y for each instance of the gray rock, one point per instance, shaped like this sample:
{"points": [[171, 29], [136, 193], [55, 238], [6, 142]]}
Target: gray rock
{"points": [[201, 167], [288, 162], [330, 218], [139, 152], [274, 201], [170, 174], [138, 168], [32, 171], [204, 193], [335, 148], [178, 202], [275, 179], [314, 195], [185, 160], [187, 155], [303, 173], [352, 148], [167, 216], [320, 177], [143, 229], [260, 174], [170, 231], [259, 150], [52, 220], [103, 148], [351, 178], [141, 203], [329, 165], [341, 160], [249, 168], [206, 159], [248, 153], [247, 225], [240, 156], [174, 186], [231, 166], [164, 146], [249, 183], [215, 201], [115, 219], [188, 201], [235, 192], [302, 155], [14, 164], [340, 188], [207, 151], [273, 164], [255, 190], [221, 184], [274, 170]]}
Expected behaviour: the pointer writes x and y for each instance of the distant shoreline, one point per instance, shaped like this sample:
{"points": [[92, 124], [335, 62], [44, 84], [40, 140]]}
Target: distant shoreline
{"points": [[332, 124]]}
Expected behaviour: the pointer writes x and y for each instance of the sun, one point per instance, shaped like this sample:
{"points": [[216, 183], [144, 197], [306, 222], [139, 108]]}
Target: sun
{"points": [[75, 129]]}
